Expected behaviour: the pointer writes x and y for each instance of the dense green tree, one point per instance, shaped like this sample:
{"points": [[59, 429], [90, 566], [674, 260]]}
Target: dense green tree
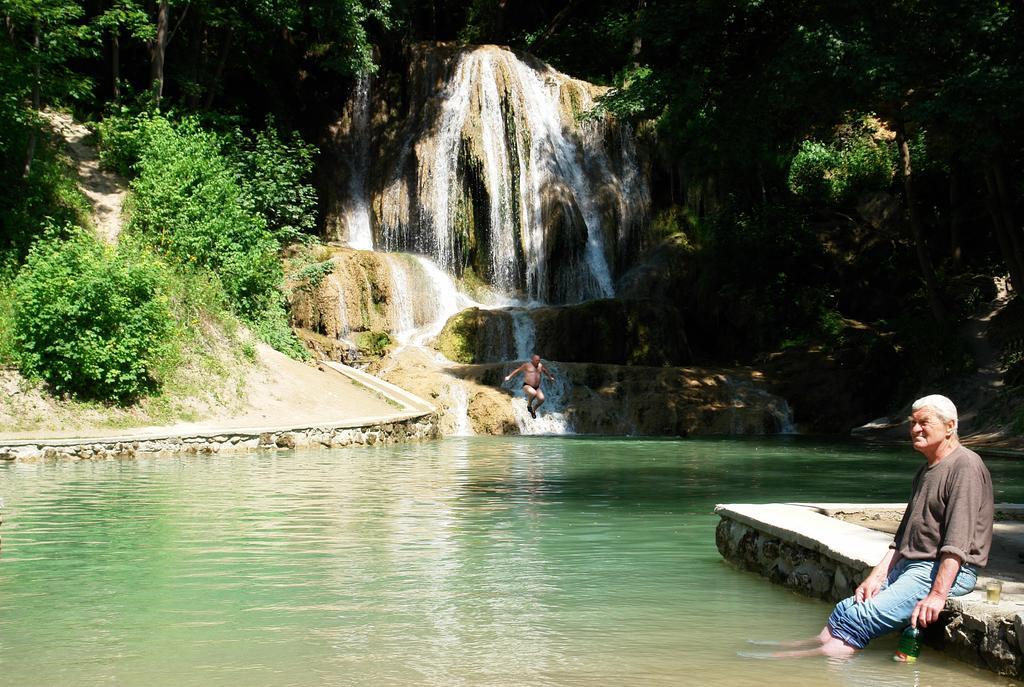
{"points": [[44, 36]]}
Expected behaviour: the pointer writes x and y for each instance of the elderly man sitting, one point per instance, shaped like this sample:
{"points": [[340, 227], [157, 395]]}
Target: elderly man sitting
{"points": [[944, 537]]}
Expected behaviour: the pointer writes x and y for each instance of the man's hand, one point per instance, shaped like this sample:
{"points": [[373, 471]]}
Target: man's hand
{"points": [[928, 609], [869, 588]]}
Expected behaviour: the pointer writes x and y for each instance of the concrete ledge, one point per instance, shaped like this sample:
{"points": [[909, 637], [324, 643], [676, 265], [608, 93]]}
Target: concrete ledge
{"points": [[854, 546], [801, 547], [416, 420], [354, 431], [409, 401]]}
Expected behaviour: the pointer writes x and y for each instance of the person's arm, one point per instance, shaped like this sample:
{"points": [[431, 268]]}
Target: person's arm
{"points": [[872, 584], [514, 372], [928, 609], [547, 372]]}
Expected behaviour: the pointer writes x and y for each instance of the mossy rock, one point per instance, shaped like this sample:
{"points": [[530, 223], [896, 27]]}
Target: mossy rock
{"points": [[373, 344], [623, 332], [458, 339]]}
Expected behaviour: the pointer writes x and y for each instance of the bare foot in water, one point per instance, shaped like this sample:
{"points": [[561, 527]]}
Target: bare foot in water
{"points": [[533, 413]]}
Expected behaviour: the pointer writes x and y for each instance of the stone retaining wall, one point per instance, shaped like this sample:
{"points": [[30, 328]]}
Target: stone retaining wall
{"points": [[409, 429], [810, 572], [969, 629]]}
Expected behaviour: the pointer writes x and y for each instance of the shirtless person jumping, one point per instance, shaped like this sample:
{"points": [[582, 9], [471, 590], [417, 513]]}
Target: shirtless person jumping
{"points": [[532, 369]]}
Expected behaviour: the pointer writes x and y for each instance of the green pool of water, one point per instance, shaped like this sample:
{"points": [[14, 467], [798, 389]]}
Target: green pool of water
{"points": [[542, 561]]}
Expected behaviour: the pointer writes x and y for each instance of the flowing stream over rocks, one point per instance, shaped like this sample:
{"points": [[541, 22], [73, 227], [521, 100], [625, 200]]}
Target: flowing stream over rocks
{"points": [[488, 207]]}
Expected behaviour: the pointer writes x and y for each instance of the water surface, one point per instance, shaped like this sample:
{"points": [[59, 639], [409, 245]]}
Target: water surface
{"points": [[507, 561]]}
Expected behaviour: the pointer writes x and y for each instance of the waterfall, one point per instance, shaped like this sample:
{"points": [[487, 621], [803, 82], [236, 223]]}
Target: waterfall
{"points": [[752, 406], [357, 210], [552, 417], [424, 297], [503, 169], [403, 320], [523, 333], [458, 407], [344, 327], [500, 177]]}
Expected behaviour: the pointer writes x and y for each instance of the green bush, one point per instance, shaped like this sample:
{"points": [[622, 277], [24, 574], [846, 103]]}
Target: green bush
{"points": [[7, 349], [91, 320], [274, 174], [123, 137], [373, 343], [838, 172], [810, 170], [188, 201], [48, 198]]}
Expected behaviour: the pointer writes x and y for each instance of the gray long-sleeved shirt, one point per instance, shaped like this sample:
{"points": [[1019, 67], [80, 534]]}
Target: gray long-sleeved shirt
{"points": [[950, 510]]}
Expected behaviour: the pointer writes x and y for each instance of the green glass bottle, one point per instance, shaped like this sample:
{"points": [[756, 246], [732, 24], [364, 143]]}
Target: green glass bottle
{"points": [[909, 647]]}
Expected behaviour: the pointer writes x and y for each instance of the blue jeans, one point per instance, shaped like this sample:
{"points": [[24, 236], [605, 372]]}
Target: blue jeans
{"points": [[908, 582]]}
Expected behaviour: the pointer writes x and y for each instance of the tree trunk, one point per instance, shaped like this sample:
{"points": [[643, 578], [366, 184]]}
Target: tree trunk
{"points": [[115, 64], [218, 75], [924, 260], [956, 216], [1002, 223], [30, 153], [1005, 198], [158, 46], [638, 44], [556, 23]]}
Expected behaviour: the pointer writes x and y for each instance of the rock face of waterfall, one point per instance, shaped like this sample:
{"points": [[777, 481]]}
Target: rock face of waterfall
{"points": [[498, 166], [617, 332], [490, 211], [366, 295]]}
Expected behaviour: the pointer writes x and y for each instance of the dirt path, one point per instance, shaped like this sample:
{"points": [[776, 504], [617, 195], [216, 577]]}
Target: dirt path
{"points": [[105, 190]]}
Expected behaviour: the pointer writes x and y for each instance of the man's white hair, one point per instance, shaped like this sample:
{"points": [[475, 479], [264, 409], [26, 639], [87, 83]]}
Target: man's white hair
{"points": [[942, 406]]}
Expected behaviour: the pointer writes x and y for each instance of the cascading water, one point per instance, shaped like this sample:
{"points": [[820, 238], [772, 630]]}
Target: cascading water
{"points": [[552, 417], [444, 297], [403, 321], [523, 333], [750, 403], [458, 408], [425, 298], [344, 327], [503, 171], [357, 210], [493, 178]]}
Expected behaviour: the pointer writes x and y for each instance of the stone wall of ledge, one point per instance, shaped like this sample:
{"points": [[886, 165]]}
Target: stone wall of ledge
{"points": [[403, 430], [788, 563], [969, 630]]}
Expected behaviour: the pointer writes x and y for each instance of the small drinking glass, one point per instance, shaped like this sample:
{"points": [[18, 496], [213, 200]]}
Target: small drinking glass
{"points": [[993, 591]]}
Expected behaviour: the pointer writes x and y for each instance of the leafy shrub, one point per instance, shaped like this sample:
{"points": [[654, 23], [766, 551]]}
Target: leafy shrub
{"points": [[47, 199], [123, 137], [810, 170], [7, 349], [274, 172], [373, 343], [188, 201], [91, 320], [838, 172]]}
